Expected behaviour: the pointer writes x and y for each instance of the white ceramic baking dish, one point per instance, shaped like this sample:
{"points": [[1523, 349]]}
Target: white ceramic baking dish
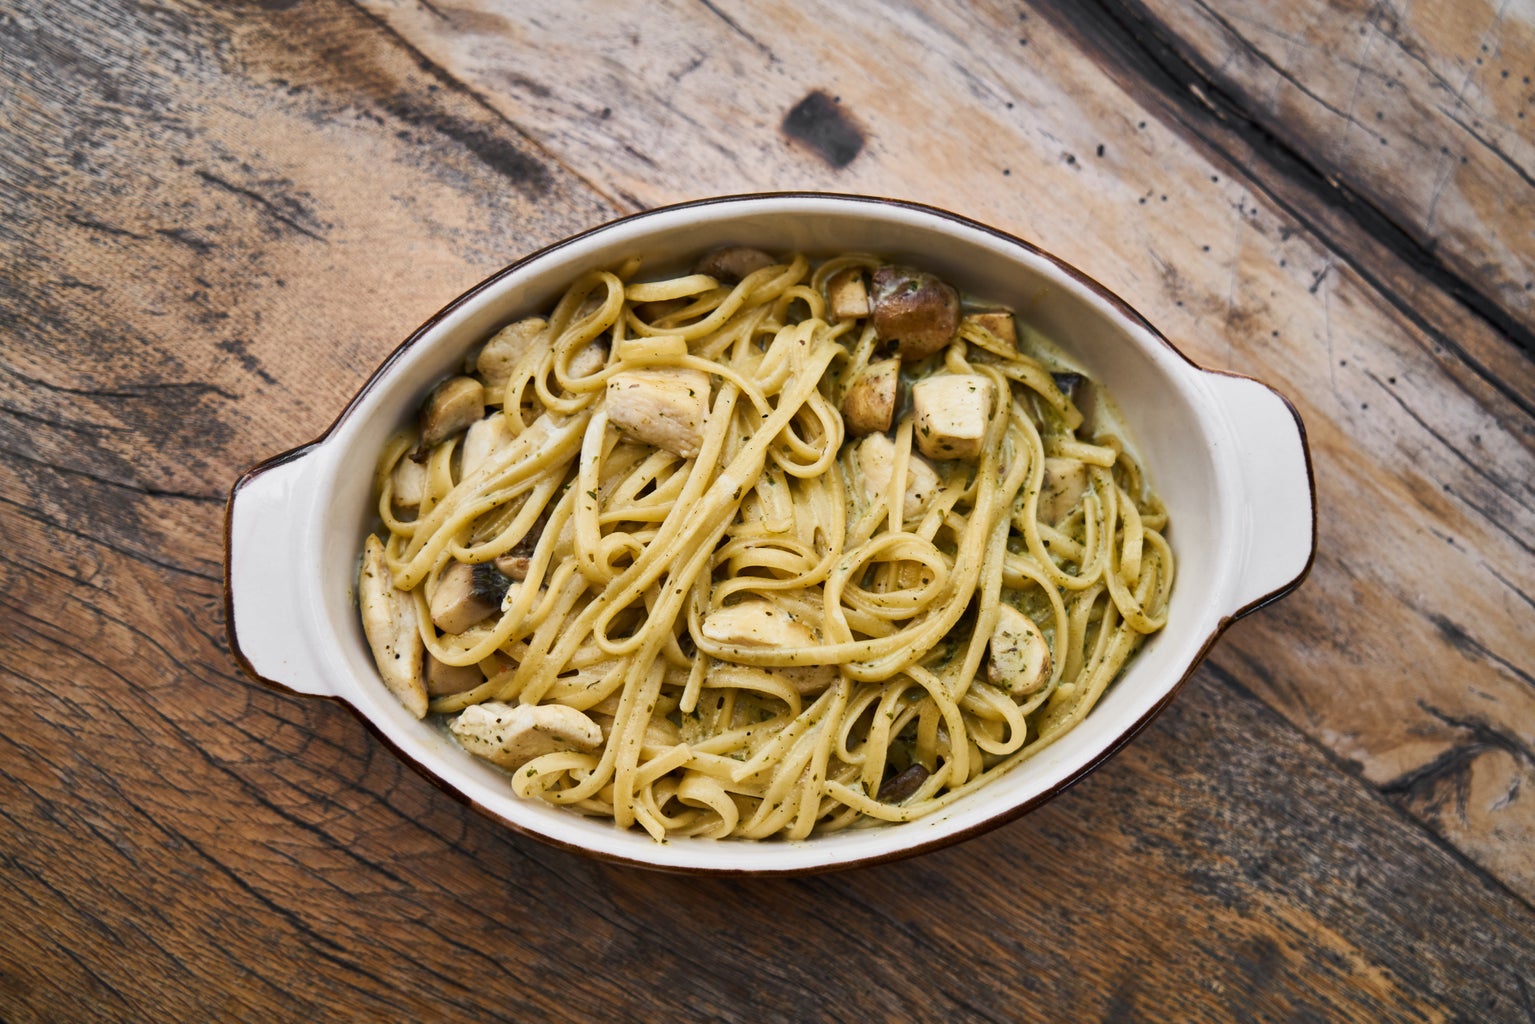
{"points": [[1227, 454]]}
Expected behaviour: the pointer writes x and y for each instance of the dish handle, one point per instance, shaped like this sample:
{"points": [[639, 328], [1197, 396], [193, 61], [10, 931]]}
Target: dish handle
{"points": [[269, 612], [1277, 499]]}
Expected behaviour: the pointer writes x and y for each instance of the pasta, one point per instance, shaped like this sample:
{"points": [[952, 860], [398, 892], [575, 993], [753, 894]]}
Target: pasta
{"points": [[767, 549]]}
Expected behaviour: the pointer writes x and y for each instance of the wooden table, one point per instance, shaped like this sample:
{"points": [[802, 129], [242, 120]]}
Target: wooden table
{"points": [[218, 219]]}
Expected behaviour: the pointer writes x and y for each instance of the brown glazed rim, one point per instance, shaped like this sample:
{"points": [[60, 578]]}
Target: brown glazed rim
{"points": [[1002, 817]]}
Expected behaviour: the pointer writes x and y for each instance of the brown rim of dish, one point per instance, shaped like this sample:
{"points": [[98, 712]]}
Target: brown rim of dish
{"points": [[1002, 817]]}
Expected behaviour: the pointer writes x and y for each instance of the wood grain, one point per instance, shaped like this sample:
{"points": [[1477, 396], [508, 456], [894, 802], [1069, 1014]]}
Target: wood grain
{"points": [[223, 218], [1238, 245]]}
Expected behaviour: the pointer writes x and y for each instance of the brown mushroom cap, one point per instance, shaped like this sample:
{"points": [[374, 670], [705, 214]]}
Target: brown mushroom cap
{"points": [[452, 406], [915, 313], [733, 262]]}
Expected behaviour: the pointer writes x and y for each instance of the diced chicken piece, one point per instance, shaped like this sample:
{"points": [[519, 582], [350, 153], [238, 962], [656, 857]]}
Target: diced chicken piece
{"points": [[848, 295], [869, 403], [511, 735], [589, 359], [876, 458], [389, 622], [1020, 655], [663, 407], [1065, 482], [505, 350], [659, 733], [454, 405], [442, 678], [915, 313], [807, 680], [999, 322], [756, 622], [409, 478], [951, 411], [481, 441], [733, 262], [465, 595]]}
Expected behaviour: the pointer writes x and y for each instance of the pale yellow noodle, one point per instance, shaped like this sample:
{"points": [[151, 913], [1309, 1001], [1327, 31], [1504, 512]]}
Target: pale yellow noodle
{"points": [[630, 549]]}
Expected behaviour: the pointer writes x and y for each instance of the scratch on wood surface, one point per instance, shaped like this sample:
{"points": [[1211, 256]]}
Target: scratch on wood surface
{"points": [[1280, 69], [1132, 44], [1480, 467], [1456, 636], [735, 27], [1511, 585], [1490, 146], [1353, 99], [269, 207]]}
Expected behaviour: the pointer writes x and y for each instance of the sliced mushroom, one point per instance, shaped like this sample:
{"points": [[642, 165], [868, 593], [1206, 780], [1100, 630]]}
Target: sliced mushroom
{"points": [[848, 295], [467, 594], [1020, 655], [1065, 482], [481, 441], [511, 735], [756, 622], [409, 478], [998, 323], [442, 678], [662, 407], [515, 563], [900, 786], [1084, 394], [454, 405], [733, 262], [915, 313], [505, 350], [952, 411], [876, 458], [869, 404], [389, 622]]}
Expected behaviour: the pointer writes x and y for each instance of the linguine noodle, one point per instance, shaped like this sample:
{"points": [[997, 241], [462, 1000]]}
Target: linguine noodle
{"points": [[875, 688]]}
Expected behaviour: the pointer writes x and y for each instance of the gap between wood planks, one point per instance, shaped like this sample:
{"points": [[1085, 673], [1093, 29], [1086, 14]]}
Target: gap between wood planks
{"points": [[1147, 50], [1348, 768]]}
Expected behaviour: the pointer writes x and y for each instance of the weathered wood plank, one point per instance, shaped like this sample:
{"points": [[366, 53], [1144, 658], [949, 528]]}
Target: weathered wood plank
{"points": [[216, 238], [1263, 883], [1421, 412], [224, 219], [1416, 111]]}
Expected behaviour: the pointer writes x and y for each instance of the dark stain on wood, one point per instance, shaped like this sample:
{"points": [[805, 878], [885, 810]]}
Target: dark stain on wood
{"points": [[1135, 47], [817, 121], [1447, 779], [485, 132], [495, 150]]}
